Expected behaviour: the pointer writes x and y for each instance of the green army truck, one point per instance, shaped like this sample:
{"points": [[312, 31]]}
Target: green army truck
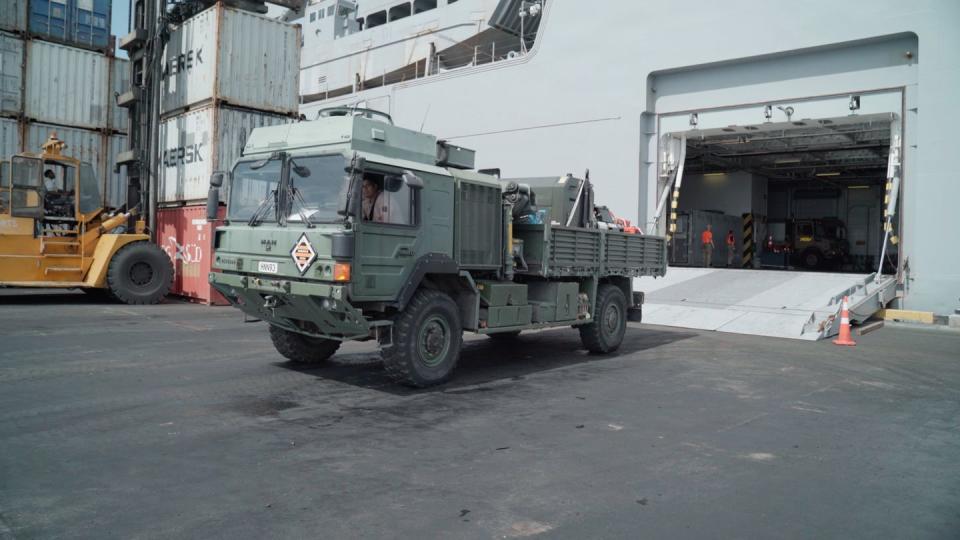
{"points": [[351, 228]]}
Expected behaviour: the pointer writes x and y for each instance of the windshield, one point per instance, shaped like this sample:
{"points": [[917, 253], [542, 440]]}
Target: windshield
{"points": [[319, 185]]}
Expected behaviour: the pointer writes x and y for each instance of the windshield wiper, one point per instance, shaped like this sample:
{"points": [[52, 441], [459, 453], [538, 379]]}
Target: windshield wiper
{"points": [[262, 210], [271, 199], [294, 198], [301, 205]]}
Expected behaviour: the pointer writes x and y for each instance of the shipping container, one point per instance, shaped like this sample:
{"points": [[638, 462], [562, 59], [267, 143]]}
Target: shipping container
{"points": [[11, 74], [114, 182], [187, 237], [66, 86], [198, 142], [223, 55], [77, 23], [119, 83], [9, 138], [13, 16]]}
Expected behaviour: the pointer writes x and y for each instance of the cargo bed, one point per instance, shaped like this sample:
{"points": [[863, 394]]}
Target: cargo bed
{"points": [[555, 251]]}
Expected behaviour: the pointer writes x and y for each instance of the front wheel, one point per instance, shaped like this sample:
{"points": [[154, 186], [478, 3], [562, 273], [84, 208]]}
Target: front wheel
{"points": [[426, 341], [605, 333], [139, 273], [812, 258], [302, 349]]}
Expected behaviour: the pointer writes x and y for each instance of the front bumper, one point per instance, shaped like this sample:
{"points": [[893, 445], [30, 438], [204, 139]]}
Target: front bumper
{"points": [[315, 309]]}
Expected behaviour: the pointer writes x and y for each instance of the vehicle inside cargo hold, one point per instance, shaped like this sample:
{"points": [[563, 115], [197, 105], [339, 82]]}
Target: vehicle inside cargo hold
{"points": [[802, 194]]}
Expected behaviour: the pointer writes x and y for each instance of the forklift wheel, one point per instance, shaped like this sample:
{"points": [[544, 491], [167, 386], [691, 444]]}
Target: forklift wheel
{"points": [[140, 273]]}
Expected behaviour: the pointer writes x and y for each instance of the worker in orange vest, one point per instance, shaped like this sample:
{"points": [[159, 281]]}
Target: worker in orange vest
{"points": [[706, 239], [731, 247]]}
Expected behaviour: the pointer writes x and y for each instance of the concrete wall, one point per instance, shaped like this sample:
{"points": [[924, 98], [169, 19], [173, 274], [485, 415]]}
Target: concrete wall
{"points": [[593, 90]]}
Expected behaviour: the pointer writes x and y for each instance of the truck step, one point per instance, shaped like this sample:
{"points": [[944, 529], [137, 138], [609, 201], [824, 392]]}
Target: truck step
{"points": [[62, 269]]}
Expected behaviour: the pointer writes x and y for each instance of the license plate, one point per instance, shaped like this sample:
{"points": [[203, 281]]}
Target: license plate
{"points": [[268, 267]]}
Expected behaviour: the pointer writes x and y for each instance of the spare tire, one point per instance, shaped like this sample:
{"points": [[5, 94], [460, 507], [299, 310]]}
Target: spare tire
{"points": [[139, 273]]}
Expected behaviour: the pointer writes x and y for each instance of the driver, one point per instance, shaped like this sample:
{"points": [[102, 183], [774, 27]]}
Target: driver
{"points": [[50, 180], [58, 201], [376, 204]]}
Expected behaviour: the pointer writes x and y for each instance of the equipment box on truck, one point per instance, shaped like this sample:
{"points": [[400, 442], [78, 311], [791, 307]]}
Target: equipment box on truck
{"points": [[350, 228]]}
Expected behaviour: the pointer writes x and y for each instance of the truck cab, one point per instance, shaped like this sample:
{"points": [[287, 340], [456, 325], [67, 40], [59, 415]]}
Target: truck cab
{"points": [[819, 242], [352, 228]]}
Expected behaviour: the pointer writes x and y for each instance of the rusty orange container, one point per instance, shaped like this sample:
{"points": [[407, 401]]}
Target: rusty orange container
{"points": [[187, 237]]}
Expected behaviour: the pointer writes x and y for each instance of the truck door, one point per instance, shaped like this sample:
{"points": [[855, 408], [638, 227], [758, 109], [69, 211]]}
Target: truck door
{"points": [[387, 234]]}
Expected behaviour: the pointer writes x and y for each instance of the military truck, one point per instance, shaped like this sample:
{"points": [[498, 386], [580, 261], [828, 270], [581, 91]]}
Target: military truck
{"points": [[351, 228]]}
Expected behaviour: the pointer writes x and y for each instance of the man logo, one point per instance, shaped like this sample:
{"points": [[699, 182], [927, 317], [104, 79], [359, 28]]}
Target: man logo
{"points": [[303, 254]]}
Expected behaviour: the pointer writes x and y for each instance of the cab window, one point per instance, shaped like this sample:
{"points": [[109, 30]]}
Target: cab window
{"points": [[89, 190], [25, 174], [387, 199], [4, 187]]}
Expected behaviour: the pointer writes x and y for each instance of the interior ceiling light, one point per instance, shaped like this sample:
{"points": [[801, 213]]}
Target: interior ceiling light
{"points": [[715, 174], [858, 187], [828, 174], [785, 161]]}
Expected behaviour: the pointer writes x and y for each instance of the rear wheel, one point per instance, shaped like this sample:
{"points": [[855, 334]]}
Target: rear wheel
{"points": [[605, 333], [300, 348], [139, 273], [426, 341]]}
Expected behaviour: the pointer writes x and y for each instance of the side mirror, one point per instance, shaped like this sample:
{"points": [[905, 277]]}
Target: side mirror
{"points": [[218, 178], [412, 180], [213, 202]]}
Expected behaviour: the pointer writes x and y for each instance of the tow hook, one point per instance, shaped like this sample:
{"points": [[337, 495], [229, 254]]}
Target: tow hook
{"points": [[270, 302]]}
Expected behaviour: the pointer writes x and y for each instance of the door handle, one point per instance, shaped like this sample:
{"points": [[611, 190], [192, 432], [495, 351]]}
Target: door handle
{"points": [[404, 251]]}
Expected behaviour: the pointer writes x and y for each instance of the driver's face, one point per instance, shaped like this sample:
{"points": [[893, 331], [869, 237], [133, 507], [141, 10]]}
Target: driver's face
{"points": [[369, 189]]}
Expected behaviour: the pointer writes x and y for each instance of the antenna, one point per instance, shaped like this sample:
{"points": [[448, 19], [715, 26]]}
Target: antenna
{"points": [[425, 113]]}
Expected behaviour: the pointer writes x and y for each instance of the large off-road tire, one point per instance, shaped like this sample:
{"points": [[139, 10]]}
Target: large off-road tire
{"points": [[605, 333], [811, 258], [427, 336], [300, 348], [139, 273], [505, 336]]}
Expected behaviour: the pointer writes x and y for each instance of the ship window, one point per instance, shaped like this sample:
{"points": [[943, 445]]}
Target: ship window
{"points": [[330, 11], [400, 11], [376, 19], [419, 6], [313, 16], [451, 2]]}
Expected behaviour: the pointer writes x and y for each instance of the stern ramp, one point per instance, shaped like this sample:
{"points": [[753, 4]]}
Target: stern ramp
{"points": [[797, 305]]}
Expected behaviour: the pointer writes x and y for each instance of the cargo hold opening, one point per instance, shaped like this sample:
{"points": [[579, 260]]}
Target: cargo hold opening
{"points": [[806, 194]]}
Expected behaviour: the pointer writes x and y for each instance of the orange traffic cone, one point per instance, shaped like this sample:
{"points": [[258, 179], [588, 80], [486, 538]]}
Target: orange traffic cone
{"points": [[844, 338]]}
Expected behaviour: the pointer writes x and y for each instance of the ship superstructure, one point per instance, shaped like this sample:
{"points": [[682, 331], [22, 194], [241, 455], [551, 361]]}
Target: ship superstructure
{"points": [[350, 45]]}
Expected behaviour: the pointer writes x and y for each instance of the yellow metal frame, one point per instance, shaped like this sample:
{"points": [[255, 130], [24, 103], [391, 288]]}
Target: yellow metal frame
{"points": [[80, 258]]}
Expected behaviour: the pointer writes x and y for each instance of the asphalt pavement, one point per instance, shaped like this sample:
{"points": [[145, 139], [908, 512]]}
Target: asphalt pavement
{"points": [[181, 421]]}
